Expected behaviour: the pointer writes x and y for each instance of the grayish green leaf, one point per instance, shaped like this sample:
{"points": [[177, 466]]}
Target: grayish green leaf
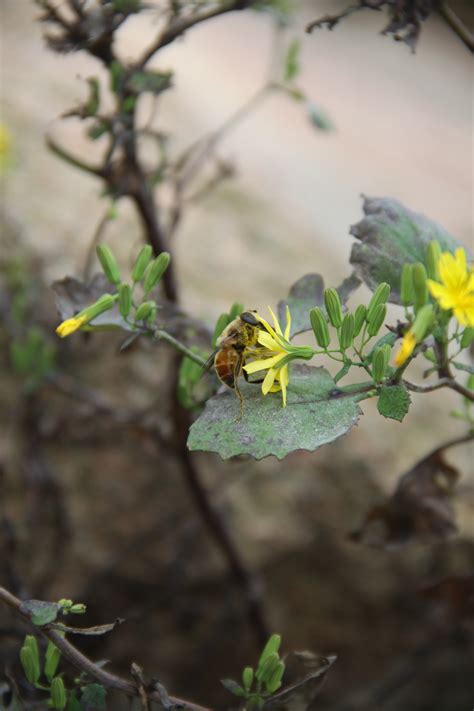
{"points": [[292, 63], [394, 402], [316, 414], [93, 697], [390, 236], [233, 687], [40, 612]]}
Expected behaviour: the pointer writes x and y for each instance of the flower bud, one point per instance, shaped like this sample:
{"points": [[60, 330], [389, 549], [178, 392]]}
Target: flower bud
{"points": [[433, 253], [91, 312], [108, 263], [29, 658], [467, 337], [379, 296], [420, 286], [247, 678], [320, 327], [78, 609], [155, 271], [267, 667], [274, 682], [407, 295], [380, 363], [359, 318], [125, 299], [65, 603], [333, 307], [52, 658], [144, 310], [58, 693], [346, 335], [151, 318], [377, 319], [141, 262], [423, 322]]}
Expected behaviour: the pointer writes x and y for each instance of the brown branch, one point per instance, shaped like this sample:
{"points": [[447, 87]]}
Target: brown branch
{"points": [[73, 160], [442, 383], [84, 664], [332, 20], [457, 25], [179, 26]]}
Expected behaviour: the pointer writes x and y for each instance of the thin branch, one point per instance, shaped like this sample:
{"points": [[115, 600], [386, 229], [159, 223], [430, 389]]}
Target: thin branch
{"points": [[73, 160], [332, 20], [180, 347], [457, 25], [179, 26], [442, 383], [86, 665]]}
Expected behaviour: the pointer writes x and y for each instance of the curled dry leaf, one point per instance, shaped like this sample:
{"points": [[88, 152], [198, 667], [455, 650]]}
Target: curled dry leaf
{"points": [[418, 511]]}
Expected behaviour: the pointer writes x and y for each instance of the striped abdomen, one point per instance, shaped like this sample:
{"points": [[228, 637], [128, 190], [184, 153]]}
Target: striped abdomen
{"points": [[228, 365]]}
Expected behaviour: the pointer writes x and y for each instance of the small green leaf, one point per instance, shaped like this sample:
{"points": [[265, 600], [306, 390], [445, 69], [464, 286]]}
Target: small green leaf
{"points": [[292, 64], [394, 402], [462, 366], [40, 612], [317, 413], [233, 687], [247, 677], [154, 82], [93, 698], [221, 323], [319, 118]]}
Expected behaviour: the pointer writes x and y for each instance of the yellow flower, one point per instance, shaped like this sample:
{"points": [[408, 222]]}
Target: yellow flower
{"points": [[275, 345], [406, 349], [5, 147], [70, 325], [456, 290]]}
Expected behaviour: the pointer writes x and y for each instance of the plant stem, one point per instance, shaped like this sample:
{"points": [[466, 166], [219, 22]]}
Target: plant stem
{"points": [[180, 347], [86, 665]]}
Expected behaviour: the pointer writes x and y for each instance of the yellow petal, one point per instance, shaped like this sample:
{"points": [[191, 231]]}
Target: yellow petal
{"points": [[284, 378], [276, 322], [288, 323], [406, 349], [269, 342], [263, 363], [460, 256], [70, 326], [268, 381], [266, 324]]}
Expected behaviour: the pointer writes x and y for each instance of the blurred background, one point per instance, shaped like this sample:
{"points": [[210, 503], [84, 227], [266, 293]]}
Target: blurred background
{"points": [[90, 507]]}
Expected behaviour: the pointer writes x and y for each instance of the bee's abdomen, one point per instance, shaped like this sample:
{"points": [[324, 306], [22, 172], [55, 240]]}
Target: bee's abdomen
{"points": [[227, 364]]}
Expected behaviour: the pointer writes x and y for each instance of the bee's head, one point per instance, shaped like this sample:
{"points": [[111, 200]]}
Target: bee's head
{"points": [[250, 318]]}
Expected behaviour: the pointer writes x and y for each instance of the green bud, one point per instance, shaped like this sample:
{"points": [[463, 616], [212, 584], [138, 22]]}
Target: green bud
{"points": [[221, 323], [423, 322], [63, 602], [377, 319], [151, 318], [379, 297], [380, 363], [155, 271], [247, 677], [267, 667], [58, 693], [235, 310], [29, 658], [78, 609], [108, 263], [273, 645], [274, 682], [144, 310], [333, 307], [125, 299], [101, 305], [346, 334], [320, 327], [467, 337], [433, 253], [359, 318], [407, 295], [420, 287], [52, 658], [141, 262]]}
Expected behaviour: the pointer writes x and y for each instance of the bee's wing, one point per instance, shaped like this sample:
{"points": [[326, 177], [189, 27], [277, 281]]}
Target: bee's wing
{"points": [[210, 361]]}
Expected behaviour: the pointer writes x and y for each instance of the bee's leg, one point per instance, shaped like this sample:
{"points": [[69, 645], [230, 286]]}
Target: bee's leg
{"points": [[237, 374]]}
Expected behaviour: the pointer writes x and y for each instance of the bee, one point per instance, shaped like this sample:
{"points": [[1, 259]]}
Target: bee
{"points": [[234, 345]]}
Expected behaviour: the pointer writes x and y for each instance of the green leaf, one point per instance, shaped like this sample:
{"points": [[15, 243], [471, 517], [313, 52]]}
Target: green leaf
{"points": [[233, 687], [307, 293], [93, 697], [319, 118], [316, 414], [390, 236], [154, 82], [40, 612], [292, 63], [463, 366], [394, 402]]}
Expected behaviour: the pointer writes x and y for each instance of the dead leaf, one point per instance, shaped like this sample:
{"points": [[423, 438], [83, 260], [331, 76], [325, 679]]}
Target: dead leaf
{"points": [[419, 509]]}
